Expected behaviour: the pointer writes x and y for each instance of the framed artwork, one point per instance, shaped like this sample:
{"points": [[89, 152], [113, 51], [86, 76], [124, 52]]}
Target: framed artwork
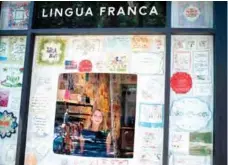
{"points": [[192, 14], [14, 15]]}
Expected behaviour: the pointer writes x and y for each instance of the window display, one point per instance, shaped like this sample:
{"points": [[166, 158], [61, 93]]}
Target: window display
{"points": [[12, 52], [113, 83], [191, 109], [88, 100]]}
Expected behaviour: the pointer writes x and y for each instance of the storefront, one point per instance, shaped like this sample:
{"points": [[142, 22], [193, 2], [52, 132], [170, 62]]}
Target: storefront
{"points": [[113, 83]]}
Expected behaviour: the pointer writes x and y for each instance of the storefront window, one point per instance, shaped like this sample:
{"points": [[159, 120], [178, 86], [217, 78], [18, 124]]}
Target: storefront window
{"points": [[94, 101], [112, 83], [191, 100], [14, 15], [12, 52]]}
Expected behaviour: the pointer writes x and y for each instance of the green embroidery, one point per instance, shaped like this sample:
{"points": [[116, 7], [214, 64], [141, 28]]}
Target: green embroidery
{"points": [[49, 55]]}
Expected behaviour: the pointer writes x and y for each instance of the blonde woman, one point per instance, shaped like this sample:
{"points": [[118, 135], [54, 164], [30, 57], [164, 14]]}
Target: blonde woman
{"points": [[95, 139]]}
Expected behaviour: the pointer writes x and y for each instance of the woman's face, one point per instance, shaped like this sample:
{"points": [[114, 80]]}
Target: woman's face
{"points": [[97, 118]]}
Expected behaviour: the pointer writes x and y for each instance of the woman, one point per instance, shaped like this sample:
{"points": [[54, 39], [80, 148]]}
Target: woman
{"points": [[95, 140]]}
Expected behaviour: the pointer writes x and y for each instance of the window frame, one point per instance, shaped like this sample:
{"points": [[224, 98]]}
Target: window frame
{"points": [[219, 31]]}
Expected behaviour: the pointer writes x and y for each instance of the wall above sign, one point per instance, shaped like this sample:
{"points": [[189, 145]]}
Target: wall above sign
{"points": [[84, 14]]}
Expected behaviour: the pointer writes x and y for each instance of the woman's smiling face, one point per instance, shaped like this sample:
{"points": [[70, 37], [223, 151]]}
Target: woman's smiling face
{"points": [[97, 118]]}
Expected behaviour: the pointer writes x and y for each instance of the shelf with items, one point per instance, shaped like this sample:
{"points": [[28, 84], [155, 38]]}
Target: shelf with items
{"points": [[73, 103], [78, 110]]}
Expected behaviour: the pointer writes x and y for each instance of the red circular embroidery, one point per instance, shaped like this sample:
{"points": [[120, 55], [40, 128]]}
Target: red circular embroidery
{"points": [[85, 66], [181, 82]]}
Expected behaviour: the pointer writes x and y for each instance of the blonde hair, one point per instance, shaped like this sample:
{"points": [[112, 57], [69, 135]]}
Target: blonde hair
{"points": [[103, 126]]}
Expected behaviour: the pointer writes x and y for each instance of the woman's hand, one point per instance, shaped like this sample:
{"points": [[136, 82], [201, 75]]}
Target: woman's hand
{"points": [[82, 142], [108, 144]]}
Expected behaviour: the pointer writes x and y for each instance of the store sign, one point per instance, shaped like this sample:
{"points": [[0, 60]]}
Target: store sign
{"points": [[110, 11], [99, 14]]}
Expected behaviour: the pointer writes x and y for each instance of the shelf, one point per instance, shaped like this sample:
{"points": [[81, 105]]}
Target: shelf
{"points": [[80, 114], [74, 103], [125, 128]]}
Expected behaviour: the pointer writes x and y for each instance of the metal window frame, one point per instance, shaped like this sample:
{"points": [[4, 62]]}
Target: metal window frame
{"points": [[219, 31]]}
